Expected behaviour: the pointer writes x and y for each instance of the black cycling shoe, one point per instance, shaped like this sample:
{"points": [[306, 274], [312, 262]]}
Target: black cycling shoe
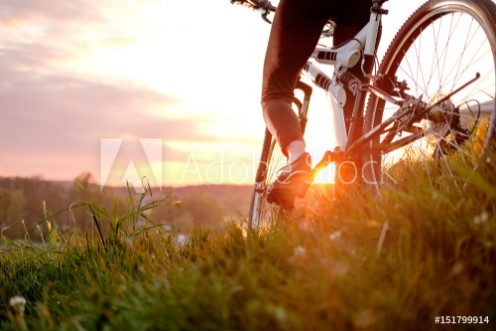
{"points": [[292, 182]]}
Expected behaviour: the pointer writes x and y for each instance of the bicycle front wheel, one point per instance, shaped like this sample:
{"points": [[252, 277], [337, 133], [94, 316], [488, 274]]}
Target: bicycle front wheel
{"points": [[262, 214], [441, 47]]}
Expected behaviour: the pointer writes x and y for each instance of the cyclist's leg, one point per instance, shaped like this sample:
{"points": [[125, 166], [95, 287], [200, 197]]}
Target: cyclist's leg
{"points": [[295, 32]]}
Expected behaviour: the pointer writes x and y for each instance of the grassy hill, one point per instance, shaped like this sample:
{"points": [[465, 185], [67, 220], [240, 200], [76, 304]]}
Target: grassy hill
{"points": [[361, 261]]}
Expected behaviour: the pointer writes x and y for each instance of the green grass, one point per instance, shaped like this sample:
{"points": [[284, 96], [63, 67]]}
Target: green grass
{"points": [[360, 262]]}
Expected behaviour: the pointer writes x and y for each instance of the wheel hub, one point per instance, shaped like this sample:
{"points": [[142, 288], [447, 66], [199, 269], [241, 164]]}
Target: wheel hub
{"points": [[442, 120]]}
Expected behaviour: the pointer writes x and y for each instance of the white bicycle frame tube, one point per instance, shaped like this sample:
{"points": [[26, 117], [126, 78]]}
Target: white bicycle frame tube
{"points": [[342, 57]]}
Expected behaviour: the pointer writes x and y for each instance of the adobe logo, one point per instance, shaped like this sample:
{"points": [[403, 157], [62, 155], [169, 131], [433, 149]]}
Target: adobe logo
{"points": [[135, 163]]}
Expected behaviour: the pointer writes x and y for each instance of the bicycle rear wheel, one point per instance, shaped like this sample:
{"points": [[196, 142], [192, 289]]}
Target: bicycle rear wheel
{"points": [[442, 46]]}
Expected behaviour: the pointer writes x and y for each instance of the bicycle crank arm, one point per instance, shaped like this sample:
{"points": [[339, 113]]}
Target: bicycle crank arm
{"points": [[328, 158]]}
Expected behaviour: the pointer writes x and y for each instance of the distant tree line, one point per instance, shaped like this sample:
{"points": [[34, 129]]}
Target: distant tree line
{"points": [[26, 202]]}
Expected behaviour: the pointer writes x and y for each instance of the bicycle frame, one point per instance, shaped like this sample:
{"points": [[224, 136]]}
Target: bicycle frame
{"points": [[361, 47]]}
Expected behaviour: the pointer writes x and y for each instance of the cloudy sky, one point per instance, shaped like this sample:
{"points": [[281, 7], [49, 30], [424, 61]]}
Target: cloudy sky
{"points": [[158, 88]]}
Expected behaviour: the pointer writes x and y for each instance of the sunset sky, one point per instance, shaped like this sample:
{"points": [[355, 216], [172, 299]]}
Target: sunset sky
{"points": [[170, 88]]}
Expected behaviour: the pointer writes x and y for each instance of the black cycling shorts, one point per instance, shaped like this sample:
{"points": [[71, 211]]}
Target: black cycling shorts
{"points": [[295, 32]]}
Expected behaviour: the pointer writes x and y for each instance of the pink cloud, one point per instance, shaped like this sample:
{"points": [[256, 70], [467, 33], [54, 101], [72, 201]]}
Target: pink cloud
{"points": [[52, 119]]}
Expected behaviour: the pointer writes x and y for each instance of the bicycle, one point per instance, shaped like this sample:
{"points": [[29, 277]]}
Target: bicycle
{"points": [[432, 95]]}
